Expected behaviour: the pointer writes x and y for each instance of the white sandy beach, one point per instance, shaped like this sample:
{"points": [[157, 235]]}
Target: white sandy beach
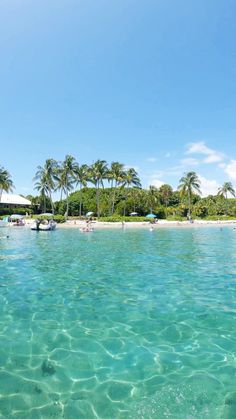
{"points": [[160, 224]]}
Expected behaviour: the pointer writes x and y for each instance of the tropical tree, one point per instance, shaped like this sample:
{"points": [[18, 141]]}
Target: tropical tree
{"points": [[226, 188], [67, 175], [130, 178], [115, 176], [81, 177], [97, 174], [46, 179], [165, 192], [152, 197], [189, 184], [6, 183]]}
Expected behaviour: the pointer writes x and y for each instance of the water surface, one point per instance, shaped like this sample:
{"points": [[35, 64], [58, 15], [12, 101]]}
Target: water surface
{"points": [[118, 324]]}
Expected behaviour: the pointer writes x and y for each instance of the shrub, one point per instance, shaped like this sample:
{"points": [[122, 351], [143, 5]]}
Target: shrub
{"points": [[17, 210]]}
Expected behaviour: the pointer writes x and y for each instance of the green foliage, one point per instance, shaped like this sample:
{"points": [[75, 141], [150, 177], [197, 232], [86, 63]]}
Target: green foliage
{"points": [[140, 201], [58, 218], [17, 210]]}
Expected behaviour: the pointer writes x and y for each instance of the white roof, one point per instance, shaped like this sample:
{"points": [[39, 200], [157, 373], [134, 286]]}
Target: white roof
{"points": [[14, 199]]}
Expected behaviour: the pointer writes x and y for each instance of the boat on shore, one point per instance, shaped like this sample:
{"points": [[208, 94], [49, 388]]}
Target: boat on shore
{"points": [[44, 225]]}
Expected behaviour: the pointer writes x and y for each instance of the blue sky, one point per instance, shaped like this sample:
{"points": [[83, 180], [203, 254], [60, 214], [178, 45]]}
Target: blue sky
{"points": [[150, 84]]}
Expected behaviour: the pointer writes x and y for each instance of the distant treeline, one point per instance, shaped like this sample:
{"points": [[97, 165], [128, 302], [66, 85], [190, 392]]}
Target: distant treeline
{"points": [[122, 195], [171, 205]]}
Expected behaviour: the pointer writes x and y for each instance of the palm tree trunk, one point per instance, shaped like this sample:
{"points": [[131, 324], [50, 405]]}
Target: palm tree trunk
{"points": [[80, 200], [113, 199], [44, 203], [189, 204], [98, 198], [126, 193], [67, 203], [51, 203]]}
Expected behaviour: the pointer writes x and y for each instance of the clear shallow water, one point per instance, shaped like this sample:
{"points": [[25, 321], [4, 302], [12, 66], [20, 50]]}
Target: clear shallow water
{"points": [[118, 324]]}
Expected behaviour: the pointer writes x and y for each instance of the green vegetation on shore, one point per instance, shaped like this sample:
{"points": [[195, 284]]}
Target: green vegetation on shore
{"points": [[113, 193]]}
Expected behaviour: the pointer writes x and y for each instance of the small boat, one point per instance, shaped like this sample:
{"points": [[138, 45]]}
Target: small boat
{"points": [[16, 220], [18, 223], [44, 225]]}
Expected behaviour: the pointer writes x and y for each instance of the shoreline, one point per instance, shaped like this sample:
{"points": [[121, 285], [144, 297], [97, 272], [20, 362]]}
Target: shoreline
{"points": [[131, 225]]}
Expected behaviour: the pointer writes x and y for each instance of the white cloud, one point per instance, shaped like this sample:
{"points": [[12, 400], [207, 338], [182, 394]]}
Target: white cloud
{"points": [[208, 187], [151, 159], [156, 182], [212, 156], [189, 162], [230, 169]]}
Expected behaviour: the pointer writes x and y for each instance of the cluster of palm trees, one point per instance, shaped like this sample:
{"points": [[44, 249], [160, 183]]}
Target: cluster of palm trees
{"points": [[190, 184], [6, 183], [68, 174]]}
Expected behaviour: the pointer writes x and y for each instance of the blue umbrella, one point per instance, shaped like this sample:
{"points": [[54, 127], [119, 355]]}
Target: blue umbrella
{"points": [[151, 216]]}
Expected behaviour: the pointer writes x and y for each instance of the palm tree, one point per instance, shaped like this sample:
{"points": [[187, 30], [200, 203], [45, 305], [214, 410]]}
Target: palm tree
{"points": [[165, 192], [98, 172], [130, 178], [42, 187], [46, 178], [115, 176], [189, 184], [67, 173], [81, 175], [6, 183], [152, 197], [227, 187]]}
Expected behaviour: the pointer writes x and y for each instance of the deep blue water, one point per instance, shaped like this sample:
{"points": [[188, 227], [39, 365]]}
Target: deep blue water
{"points": [[118, 324]]}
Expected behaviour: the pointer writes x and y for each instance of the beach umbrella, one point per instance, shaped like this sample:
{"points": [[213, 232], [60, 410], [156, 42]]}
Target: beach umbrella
{"points": [[133, 213], [89, 214], [16, 217], [151, 216]]}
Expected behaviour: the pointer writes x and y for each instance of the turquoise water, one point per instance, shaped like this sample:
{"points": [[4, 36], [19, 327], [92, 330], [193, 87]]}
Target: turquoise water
{"points": [[118, 324]]}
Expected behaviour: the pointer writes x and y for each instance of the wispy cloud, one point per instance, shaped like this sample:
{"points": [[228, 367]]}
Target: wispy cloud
{"points": [[211, 156], [189, 162], [230, 169], [156, 182], [208, 187], [151, 159]]}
